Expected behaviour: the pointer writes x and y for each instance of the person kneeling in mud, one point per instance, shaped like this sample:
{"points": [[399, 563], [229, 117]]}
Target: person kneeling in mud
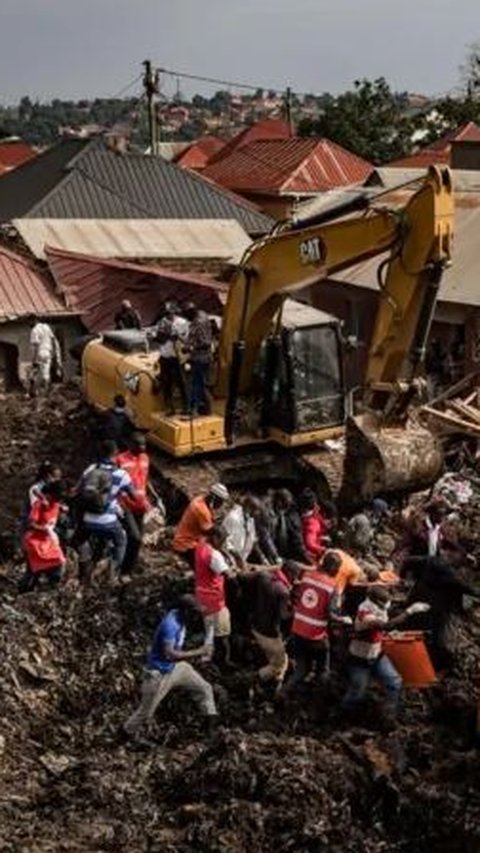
{"points": [[44, 554], [169, 668]]}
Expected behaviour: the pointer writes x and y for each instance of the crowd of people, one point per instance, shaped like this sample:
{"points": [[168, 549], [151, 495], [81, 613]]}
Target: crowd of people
{"points": [[277, 572], [185, 339]]}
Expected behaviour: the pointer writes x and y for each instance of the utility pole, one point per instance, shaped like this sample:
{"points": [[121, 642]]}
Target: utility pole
{"points": [[288, 110], [150, 84]]}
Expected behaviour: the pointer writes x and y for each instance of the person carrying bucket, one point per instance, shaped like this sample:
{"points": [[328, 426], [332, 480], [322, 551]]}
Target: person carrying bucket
{"points": [[367, 658]]}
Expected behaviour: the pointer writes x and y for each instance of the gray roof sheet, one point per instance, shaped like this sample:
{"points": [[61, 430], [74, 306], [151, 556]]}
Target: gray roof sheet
{"points": [[461, 281], [85, 179]]}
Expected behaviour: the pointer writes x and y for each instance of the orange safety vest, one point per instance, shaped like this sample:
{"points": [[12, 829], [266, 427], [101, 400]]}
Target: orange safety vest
{"points": [[137, 466], [311, 610]]}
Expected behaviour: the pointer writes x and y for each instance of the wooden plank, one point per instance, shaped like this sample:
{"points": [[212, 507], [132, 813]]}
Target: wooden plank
{"points": [[455, 389], [452, 421], [464, 411], [471, 397]]}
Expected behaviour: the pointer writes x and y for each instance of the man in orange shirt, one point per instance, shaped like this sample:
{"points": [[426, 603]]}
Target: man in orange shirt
{"points": [[349, 572], [197, 520]]}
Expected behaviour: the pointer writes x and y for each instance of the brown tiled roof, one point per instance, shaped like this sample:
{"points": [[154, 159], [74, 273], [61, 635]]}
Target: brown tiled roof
{"points": [[268, 128], [94, 288], [25, 290], [14, 152], [293, 165], [200, 152]]}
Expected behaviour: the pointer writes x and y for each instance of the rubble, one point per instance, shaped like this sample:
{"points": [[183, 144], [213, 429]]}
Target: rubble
{"points": [[452, 414], [290, 778]]}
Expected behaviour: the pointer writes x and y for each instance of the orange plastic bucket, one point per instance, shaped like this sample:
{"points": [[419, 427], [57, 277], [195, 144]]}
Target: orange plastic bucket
{"points": [[408, 653]]}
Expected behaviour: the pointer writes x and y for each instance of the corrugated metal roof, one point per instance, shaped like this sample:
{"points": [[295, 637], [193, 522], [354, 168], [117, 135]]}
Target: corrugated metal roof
{"points": [[199, 153], [464, 180], [24, 290], [95, 288], [137, 238], [460, 282], [324, 202], [438, 153], [268, 128], [84, 179], [15, 152], [297, 314], [292, 165], [422, 159]]}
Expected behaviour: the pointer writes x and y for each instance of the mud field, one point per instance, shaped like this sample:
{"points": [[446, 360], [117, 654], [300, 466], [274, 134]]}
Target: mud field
{"points": [[290, 778]]}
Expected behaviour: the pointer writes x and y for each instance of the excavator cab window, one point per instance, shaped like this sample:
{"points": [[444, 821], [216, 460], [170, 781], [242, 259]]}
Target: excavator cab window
{"points": [[303, 379]]}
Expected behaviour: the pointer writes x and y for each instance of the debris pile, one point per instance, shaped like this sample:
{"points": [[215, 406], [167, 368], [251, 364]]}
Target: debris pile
{"points": [[450, 413], [282, 778]]}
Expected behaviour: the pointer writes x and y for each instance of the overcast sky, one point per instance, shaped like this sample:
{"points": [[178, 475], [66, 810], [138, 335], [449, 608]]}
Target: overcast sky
{"points": [[83, 48]]}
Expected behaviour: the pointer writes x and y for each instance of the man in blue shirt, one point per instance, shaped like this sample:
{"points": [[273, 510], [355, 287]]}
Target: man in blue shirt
{"points": [[168, 668]]}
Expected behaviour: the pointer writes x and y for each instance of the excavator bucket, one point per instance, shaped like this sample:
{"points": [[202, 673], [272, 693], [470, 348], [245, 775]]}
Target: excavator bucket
{"points": [[382, 459]]}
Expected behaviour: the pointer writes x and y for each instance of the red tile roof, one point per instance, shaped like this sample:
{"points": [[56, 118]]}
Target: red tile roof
{"points": [[439, 152], [199, 153], [25, 290], [269, 128], [94, 287], [14, 152], [292, 165]]}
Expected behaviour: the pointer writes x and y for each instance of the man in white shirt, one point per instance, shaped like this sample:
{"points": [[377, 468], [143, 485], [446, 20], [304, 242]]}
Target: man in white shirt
{"points": [[45, 351], [172, 330], [240, 529]]}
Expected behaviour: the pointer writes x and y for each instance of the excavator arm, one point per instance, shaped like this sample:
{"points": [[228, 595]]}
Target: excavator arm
{"points": [[418, 238]]}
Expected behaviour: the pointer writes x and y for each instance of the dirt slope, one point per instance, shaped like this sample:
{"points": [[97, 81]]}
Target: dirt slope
{"points": [[288, 779]]}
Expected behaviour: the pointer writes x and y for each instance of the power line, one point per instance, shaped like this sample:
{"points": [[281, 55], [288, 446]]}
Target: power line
{"points": [[228, 83], [127, 87]]}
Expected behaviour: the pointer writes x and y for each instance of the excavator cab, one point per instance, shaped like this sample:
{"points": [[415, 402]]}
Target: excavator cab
{"points": [[300, 372]]}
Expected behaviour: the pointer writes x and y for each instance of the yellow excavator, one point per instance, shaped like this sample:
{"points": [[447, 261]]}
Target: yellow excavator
{"points": [[278, 394]]}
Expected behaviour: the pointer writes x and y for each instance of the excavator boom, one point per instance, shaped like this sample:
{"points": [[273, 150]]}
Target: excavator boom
{"points": [[419, 241]]}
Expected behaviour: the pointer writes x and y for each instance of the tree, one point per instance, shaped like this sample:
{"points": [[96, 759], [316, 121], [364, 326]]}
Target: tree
{"points": [[470, 70], [367, 120]]}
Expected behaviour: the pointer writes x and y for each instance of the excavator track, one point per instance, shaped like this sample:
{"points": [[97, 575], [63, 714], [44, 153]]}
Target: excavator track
{"points": [[254, 470], [369, 461]]}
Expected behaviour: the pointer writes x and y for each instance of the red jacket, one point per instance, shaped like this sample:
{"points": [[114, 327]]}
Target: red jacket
{"points": [[312, 607], [138, 467], [314, 529]]}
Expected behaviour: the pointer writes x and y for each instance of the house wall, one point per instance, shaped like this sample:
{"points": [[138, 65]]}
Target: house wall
{"points": [[15, 358], [280, 207]]}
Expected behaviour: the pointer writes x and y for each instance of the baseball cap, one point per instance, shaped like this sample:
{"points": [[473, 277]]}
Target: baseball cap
{"points": [[219, 491]]}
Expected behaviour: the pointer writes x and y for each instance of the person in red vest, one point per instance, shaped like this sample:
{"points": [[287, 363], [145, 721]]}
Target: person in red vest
{"points": [[366, 657], [136, 463], [211, 569], [316, 603], [45, 557]]}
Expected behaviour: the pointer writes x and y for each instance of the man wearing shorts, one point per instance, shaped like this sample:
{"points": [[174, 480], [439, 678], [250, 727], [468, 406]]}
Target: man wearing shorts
{"points": [[211, 568]]}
